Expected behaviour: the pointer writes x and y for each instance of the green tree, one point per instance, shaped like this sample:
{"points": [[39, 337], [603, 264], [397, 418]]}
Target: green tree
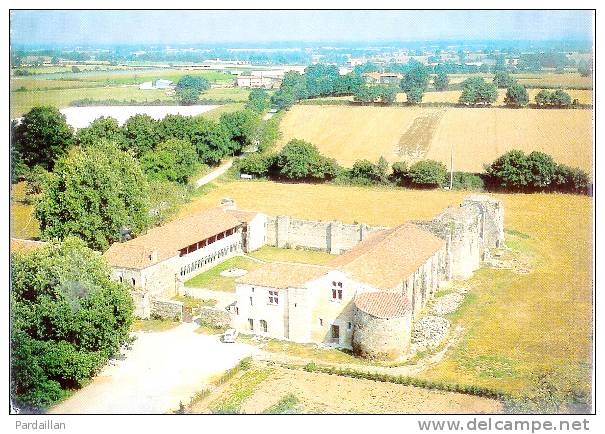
{"points": [[175, 127], [414, 95], [476, 90], [365, 94], [189, 88], [211, 140], [416, 77], [516, 96], [400, 173], [283, 99], [301, 160], [102, 129], [560, 98], [541, 171], [441, 81], [543, 98], [242, 127], [94, 193], [75, 69], [387, 94], [141, 134], [510, 171], [427, 174], [256, 164], [67, 319], [366, 172], [571, 180], [503, 80], [42, 136], [258, 100], [173, 160]]}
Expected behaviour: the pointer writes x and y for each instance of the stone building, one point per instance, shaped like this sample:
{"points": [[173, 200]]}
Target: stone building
{"points": [[157, 263], [367, 298]]}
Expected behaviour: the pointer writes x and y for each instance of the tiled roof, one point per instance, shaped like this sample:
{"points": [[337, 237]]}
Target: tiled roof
{"points": [[168, 239], [20, 245], [283, 275], [382, 304], [386, 258]]}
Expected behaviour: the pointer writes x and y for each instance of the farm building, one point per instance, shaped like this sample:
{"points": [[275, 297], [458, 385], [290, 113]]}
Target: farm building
{"points": [[157, 84], [365, 299], [382, 78], [157, 263], [254, 81]]}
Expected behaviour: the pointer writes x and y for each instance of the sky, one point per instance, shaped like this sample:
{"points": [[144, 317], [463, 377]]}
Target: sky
{"points": [[164, 27]]}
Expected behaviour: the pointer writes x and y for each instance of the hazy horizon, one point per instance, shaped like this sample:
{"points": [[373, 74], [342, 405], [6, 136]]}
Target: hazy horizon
{"points": [[275, 27]]}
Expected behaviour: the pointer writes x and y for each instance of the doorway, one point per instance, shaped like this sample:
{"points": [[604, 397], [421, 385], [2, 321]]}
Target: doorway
{"points": [[335, 333]]}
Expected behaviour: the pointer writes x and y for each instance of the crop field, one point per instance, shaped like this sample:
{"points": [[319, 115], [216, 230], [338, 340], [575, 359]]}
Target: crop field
{"points": [[22, 222], [478, 135], [568, 80], [524, 333]]}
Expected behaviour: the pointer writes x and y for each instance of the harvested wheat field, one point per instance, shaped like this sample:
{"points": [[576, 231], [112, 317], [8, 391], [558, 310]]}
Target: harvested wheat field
{"points": [[350, 133], [479, 135], [523, 333], [323, 393]]}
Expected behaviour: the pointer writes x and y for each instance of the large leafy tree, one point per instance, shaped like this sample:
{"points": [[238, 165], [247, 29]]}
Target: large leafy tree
{"points": [[103, 128], [503, 80], [175, 127], [441, 81], [258, 100], [242, 127], [189, 88], [173, 160], [42, 136], [211, 140], [416, 77], [67, 319], [510, 171], [427, 174], [301, 160], [141, 134], [94, 193], [476, 90], [516, 96], [321, 79]]}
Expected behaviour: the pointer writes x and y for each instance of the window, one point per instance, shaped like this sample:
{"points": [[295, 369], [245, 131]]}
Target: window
{"points": [[251, 301], [273, 297], [321, 322], [251, 323], [237, 311], [263, 325], [134, 282], [336, 294], [349, 326]]}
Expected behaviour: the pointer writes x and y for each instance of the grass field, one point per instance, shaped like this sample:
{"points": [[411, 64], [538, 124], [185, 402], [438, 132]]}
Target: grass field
{"points": [[478, 135], [524, 333], [569, 80], [23, 224], [212, 279]]}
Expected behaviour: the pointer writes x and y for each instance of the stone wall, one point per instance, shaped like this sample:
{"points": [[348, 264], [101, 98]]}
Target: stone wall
{"points": [[218, 318], [381, 338], [333, 237], [166, 309]]}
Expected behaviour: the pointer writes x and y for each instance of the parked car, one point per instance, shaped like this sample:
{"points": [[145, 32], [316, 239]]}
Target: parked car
{"points": [[229, 336]]}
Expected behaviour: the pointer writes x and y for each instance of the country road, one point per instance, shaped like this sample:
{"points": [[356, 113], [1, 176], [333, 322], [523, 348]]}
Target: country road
{"points": [[214, 174]]}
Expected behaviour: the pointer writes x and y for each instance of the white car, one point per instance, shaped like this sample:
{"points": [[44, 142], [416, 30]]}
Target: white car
{"points": [[229, 336]]}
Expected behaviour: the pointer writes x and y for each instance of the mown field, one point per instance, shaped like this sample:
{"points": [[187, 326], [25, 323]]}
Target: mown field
{"points": [[524, 333], [478, 135], [568, 80]]}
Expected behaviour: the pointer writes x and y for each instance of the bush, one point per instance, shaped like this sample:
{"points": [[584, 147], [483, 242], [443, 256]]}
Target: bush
{"points": [[302, 160], [400, 173], [467, 181], [572, 180], [427, 174], [366, 172], [173, 160], [256, 164]]}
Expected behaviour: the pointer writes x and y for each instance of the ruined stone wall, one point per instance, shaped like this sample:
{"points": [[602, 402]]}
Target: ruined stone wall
{"points": [[333, 237], [381, 338], [166, 309]]}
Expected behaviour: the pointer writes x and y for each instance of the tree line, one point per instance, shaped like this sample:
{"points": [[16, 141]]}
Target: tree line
{"points": [[106, 179], [514, 171]]}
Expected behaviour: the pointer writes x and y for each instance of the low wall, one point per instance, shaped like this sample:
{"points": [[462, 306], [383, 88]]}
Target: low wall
{"points": [[166, 309], [333, 236], [218, 318]]}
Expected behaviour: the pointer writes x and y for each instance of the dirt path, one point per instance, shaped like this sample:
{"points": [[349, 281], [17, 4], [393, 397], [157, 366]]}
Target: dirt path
{"points": [[161, 369], [323, 393], [214, 174]]}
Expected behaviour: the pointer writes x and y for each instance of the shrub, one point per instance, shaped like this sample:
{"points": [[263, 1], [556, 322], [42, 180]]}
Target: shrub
{"points": [[256, 164], [467, 181], [302, 160], [173, 160], [366, 172], [427, 174], [516, 96], [572, 180], [400, 173], [509, 171]]}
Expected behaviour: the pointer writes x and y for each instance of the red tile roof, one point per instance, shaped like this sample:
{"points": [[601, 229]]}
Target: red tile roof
{"points": [[168, 239], [387, 258], [382, 304]]}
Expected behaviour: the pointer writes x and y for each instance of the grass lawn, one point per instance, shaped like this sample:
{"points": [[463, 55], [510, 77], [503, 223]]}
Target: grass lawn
{"points": [[526, 334], [153, 325], [212, 279], [272, 254]]}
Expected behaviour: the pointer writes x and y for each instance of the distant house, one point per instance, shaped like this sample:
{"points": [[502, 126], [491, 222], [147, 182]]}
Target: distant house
{"points": [[249, 80], [157, 84], [382, 77]]}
